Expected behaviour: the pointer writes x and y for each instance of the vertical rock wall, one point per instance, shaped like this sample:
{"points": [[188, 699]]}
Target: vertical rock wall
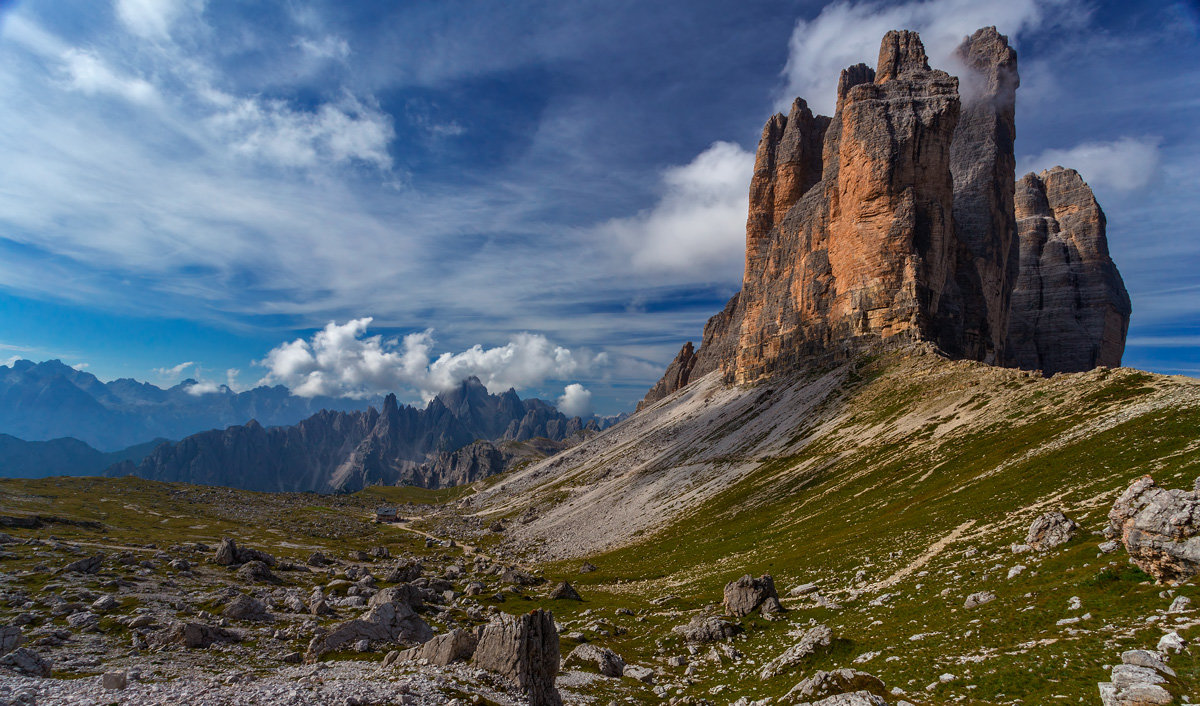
{"points": [[897, 220]]}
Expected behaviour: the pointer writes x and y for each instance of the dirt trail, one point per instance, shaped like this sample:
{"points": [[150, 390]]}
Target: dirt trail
{"points": [[933, 550], [404, 523]]}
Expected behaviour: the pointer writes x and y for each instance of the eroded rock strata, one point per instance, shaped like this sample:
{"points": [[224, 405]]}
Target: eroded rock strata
{"points": [[899, 220]]}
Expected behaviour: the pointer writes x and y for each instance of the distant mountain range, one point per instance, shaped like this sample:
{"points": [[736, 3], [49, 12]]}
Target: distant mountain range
{"points": [[335, 451], [62, 457], [50, 400]]}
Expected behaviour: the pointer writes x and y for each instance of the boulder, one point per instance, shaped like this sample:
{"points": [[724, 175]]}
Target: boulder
{"points": [[524, 650], [86, 565], [244, 607], [10, 638], [608, 662], [815, 639], [1160, 529], [1051, 530], [640, 673], [27, 662], [823, 684], [707, 628], [229, 554], [192, 636], [255, 571], [404, 573], [748, 594], [565, 591], [386, 621], [114, 681], [455, 646]]}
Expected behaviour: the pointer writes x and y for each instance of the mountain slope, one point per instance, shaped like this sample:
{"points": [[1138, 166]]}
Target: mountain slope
{"points": [[897, 483]]}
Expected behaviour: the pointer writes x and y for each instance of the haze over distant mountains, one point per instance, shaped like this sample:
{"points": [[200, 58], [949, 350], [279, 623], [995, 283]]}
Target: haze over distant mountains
{"points": [[50, 400], [346, 451], [56, 420]]}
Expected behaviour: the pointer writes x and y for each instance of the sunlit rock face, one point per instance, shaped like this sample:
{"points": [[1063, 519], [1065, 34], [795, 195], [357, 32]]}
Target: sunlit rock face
{"points": [[896, 220]]}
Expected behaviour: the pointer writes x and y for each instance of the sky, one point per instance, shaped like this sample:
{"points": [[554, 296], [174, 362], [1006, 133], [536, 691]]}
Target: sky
{"points": [[355, 197]]}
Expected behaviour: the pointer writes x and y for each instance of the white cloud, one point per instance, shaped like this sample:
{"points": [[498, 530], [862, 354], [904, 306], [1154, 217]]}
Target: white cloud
{"points": [[847, 33], [1125, 164], [327, 47], [338, 133], [575, 401], [153, 19], [204, 388], [81, 366], [174, 372], [699, 223], [88, 73], [341, 360]]}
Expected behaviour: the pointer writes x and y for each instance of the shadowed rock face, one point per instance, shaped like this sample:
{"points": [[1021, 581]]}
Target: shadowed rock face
{"points": [[983, 167], [904, 228], [1070, 310]]}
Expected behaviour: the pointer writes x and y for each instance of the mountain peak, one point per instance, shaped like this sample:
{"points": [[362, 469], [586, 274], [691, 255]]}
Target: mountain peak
{"points": [[895, 222]]}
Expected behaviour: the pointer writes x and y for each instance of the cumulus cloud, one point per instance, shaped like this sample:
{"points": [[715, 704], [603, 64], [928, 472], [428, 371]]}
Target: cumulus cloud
{"points": [[1125, 164], [699, 223], [846, 33], [174, 372], [575, 401], [342, 360]]}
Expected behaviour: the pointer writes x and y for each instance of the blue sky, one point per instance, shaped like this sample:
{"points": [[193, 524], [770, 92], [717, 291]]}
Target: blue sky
{"points": [[537, 193]]}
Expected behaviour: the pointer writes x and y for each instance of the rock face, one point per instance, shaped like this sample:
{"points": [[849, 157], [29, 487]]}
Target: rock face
{"points": [[678, 374], [347, 451], [983, 167], [896, 220], [1070, 307], [1160, 529], [524, 650], [748, 594]]}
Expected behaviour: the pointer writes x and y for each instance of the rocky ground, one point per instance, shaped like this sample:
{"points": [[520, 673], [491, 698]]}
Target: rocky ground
{"points": [[956, 547]]}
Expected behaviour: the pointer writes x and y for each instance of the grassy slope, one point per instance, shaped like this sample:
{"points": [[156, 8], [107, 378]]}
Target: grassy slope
{"points": [[833, 509]]}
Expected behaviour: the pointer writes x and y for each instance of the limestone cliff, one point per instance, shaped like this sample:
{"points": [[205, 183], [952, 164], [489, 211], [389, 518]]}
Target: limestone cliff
{"points": [[902, 227], [1070, 310]]}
